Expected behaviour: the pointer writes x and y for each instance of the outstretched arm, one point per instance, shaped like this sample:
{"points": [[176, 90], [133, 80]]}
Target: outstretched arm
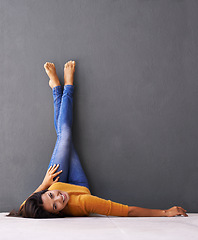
{"points": [[93, 204], [145, 212]]}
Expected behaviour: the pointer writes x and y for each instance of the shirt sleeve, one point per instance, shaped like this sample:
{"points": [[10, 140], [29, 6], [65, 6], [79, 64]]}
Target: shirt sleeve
{"points": [[93, 204]]}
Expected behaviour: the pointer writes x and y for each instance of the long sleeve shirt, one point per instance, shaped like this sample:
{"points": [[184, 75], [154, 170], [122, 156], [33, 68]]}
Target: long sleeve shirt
{"points": [[82, 203]]}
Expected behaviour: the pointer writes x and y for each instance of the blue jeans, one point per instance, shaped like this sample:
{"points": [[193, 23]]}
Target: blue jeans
{"points": [[64, 152]]}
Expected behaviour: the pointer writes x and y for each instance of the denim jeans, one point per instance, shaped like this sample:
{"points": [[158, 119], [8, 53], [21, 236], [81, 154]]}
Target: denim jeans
{"points": [[64, 152]]}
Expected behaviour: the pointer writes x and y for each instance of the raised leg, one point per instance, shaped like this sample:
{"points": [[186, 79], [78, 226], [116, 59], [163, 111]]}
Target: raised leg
{"points": [[72, 170], [76, 173], [62, 150], [57, 96], [54, 83]]}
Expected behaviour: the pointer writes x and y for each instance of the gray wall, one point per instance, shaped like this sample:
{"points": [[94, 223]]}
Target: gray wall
{"points": [[135, 104]]}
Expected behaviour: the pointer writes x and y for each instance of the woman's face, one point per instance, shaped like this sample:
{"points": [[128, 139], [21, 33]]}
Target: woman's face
{"points": [[54, 200]]}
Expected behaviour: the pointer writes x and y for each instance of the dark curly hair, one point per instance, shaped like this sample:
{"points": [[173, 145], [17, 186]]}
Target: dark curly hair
{"points": [[33, 208]]}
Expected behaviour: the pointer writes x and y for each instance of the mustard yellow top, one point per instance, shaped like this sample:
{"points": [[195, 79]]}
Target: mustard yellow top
{"points": [[82, 203]]}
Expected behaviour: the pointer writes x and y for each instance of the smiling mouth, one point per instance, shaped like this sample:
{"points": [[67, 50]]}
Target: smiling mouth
{"points": [[63, 197]]}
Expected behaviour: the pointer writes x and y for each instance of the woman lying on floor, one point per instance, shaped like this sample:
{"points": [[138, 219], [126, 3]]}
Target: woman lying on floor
{"points": [[71, 195]]}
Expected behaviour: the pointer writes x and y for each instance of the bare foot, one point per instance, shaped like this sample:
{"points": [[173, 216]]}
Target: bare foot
{"points": [[51, 72], [69, 70]]}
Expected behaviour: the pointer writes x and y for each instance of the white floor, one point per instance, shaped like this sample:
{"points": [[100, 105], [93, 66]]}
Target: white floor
{"points": [[100, 227]]}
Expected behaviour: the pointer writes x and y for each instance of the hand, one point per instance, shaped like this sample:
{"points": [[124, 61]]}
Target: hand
{"points": [[50, 175], [175, 211]]}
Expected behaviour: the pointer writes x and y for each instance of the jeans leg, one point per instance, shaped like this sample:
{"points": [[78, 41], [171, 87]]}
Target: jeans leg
{"points": [[76, 173], [62, 150], [57, 96]]}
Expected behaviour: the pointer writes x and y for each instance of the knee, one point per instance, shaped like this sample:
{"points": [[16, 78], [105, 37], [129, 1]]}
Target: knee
{"points": [[65, 133]]}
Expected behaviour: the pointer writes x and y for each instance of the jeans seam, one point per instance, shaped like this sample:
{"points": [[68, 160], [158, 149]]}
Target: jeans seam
{"points": [[55, 150], [55, 91], [56, 111]]}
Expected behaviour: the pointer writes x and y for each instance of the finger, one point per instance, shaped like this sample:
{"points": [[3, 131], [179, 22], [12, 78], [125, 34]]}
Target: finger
{"points": [[53, 166], [49, 168], [56, 180], [54, 170], [182, 211], [56, 174], [185, 215]]}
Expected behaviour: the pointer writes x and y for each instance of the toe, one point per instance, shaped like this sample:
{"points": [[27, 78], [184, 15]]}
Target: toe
{"points": [[52, 65]]}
